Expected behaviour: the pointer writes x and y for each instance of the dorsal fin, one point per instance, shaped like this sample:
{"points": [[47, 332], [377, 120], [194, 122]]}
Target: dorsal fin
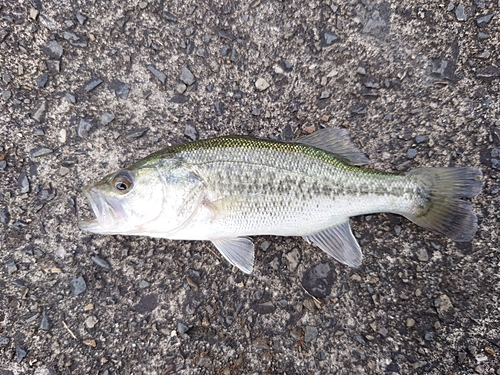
{"points": [[336, 141]]}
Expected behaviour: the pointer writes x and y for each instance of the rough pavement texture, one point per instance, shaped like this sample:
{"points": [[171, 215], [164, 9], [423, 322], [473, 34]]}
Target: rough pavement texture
{"points": [[90, 87]]}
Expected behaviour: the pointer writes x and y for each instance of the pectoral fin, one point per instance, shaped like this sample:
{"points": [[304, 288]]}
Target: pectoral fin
{"points": [[339, 242], [238, 251]]}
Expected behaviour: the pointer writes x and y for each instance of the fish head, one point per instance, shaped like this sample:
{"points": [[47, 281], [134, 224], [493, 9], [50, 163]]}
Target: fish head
{"points": [[123, 202]]}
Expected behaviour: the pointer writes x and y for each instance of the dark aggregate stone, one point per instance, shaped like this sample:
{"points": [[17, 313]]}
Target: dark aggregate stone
{"points": [[182, 328], [219, 108], [5, 215], [460, 13], [53, 50], [484, 20], [45, 323], [72, 37], [6, 95], [190, 130], [20, 353], [158, 74], [444, 69], [4, 341], [421, 139], [70, 98], [81, 18], [330, 37], [121, 89], [3, 164], [179, 99], [358, 109], [54, 66], [107, 117], [186, 76], [101, 262], [43, 79], [234, 56], [39, 111], [6, 78], [135, 134], [488, 73], [92, 84], [84, 127], [23, 183], [40, 151], [311, 333], [411, 153], [169, 17], [147, 303], [318, 280], [78, 285], [256, 112]]}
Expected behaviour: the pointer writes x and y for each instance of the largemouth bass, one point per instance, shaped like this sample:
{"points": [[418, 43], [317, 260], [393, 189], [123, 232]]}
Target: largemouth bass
{"points": [[226, 189]]}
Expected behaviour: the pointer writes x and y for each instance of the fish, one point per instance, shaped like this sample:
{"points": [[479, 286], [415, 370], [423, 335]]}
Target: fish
{"points": [[230, 188]]}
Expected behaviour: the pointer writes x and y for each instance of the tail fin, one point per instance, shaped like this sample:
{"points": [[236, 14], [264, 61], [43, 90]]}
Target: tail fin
{"points": [[441, 209]]}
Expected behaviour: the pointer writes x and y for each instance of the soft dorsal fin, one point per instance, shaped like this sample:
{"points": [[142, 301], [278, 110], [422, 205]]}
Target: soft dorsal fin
{"points": [[339, 242], [336, 141], [238, 251]]}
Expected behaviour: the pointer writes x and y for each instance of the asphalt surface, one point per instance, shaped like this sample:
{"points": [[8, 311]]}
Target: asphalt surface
{"points": [[89, 87]]}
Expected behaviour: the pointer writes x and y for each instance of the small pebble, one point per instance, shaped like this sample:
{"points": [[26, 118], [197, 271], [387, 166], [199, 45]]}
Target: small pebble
{"points": [[325, 95], [181, 88], [34, 13], [186, 76], [45, 323], [261, 84], [107, 117], [330, 37], [100, 262], [54, 66], [158, 74], [62, 136], [135, 134], [311, 333], [483, 20], [460, 13], [79, 286], [84, 127], [70, 98], [20, 353], [54, 50], [121, 89], [422, 255], [6, 95], [11, 267], [43, 79], [256, 112], [92, 84], [81, 18], [63, 171], [410, 322], [190, 131], [40, 151], [6, 78], [181, 327], [421, 138], [411, 153], [91, 321], [4, 341], [143, 284], [23, 183]]}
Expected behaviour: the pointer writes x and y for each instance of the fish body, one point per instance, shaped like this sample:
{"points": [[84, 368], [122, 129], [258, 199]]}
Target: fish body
{"points": [[226, 189]]}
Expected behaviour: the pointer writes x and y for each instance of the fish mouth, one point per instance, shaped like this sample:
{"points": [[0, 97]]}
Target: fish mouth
{"points": [[108, 212]]}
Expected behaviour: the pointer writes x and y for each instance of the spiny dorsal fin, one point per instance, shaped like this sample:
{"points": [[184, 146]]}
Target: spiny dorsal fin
{"points": [[336, 141]]}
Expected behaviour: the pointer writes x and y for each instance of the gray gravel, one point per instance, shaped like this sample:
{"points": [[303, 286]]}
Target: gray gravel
{"points": [[87, 88]]}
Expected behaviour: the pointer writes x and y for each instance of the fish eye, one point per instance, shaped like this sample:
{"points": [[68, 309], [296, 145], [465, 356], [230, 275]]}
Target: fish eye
{"points": [[122, 182]]}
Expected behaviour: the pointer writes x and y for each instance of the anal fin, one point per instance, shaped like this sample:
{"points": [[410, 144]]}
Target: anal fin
{"points": [[238, 251], [338, 242]]}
